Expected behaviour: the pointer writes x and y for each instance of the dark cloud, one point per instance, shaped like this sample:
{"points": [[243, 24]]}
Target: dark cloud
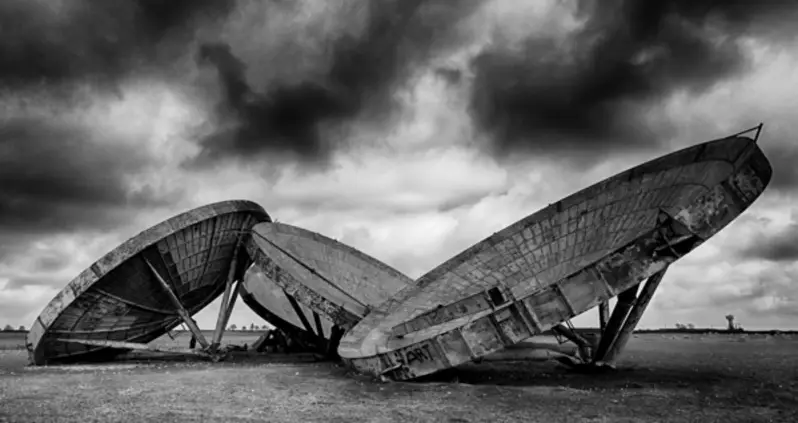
{"points": [[56, 178], [87, 41], [450, 75], [779, 247], [592, 91], [358, 81], [783, 156]]}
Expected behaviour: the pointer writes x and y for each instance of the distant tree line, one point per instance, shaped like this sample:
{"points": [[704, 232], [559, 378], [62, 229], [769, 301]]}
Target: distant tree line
{"points": [[251, 327], [9, 328]]}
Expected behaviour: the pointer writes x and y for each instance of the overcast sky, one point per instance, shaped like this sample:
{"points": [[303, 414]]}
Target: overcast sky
{"points": [[410, 130]]}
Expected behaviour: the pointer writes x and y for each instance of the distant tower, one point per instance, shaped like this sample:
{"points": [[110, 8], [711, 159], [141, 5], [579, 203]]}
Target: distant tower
{"points": [[730, 318]]}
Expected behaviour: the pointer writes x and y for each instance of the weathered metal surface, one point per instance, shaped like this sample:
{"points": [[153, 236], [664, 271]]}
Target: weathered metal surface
{"points": [[118, 298], [561, 261], [323, 276]]}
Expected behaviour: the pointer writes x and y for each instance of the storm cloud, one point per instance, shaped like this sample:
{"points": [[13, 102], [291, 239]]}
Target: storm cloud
{"points": [[783, 154], [357, 81], [83, 41], [61, 172], [592, 91], [55, 178]]}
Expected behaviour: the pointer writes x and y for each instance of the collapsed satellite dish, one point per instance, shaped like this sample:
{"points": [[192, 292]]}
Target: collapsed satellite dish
{"points": [[269, 301], [313, 283], [147, 286], [569, 257]]}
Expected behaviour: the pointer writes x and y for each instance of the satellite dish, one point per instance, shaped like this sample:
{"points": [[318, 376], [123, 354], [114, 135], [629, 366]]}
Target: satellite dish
{"points": [[306, 281], [147, 286], [567, 258]]}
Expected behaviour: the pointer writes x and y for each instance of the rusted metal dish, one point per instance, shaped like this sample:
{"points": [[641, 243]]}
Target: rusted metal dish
{"points": [[559, 262], [323, 276], [119, 297]]}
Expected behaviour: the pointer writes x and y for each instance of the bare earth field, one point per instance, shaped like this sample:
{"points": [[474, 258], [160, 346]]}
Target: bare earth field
{"points": [[663, 378]]}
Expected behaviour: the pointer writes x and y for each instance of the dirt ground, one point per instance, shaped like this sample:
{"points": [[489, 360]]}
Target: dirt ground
{"points": [[663, 378]]}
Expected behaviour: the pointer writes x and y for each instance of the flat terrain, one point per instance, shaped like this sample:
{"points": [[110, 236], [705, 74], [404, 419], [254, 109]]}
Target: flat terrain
{"points": [[664, 378], [12, 340]]}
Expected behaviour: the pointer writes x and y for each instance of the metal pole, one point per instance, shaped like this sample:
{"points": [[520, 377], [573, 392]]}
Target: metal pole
{"points": [[335, 339], [130, 346], [228, 288], [233, 297], [635, 315], [299, 312], [581, 343], [179, 306], [319, 327], [625, 302], [758, 131], [604, 315]]}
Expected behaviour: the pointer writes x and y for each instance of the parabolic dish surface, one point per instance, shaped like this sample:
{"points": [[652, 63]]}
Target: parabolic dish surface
{"points": [[561, 261], [118, 298], [336, 281], [269, 301]]}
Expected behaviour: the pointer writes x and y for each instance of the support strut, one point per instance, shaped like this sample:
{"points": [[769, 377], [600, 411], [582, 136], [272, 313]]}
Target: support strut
{"points": [[604, 315], [622, 306], [335, 338], [221, 322], [234, 295], [581, 343], [625, 317], [179, 306], [646, 294], [319, 327], [299, 313], [134, 346]]}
